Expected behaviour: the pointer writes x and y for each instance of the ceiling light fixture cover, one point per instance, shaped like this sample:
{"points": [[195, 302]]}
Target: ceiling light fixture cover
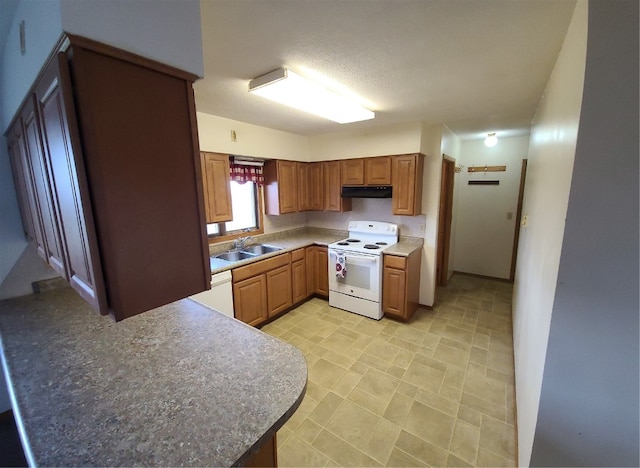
{"points": [[491, 140], [288, 88]]}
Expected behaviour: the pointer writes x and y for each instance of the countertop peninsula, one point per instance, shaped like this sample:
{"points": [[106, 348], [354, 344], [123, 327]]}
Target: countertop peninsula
{"points": [[177, 385]]}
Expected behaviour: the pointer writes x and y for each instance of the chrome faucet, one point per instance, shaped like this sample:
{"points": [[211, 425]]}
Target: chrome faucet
{"points": [[240, 242]]}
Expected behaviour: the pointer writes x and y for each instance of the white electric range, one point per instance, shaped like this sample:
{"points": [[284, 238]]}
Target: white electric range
{"points": [[355, 267]]}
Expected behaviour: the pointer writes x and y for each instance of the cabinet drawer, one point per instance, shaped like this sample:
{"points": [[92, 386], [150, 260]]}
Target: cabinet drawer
{"points": [[297, 255], [393, 261], [260, 267]]}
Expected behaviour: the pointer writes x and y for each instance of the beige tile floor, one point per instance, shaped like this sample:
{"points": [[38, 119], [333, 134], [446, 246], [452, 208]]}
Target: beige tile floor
{"points": [[437, 391]]}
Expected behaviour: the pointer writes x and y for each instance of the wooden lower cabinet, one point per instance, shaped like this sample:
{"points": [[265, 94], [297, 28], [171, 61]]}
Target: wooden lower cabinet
{"points": [[322, 271], [250, 300], [262, 289], [401, 285], [317, 271], [299, 275], [267, 455], [279, 295]]}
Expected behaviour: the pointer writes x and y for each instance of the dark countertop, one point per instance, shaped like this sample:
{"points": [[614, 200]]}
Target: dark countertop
{"points": [[178, 385]]}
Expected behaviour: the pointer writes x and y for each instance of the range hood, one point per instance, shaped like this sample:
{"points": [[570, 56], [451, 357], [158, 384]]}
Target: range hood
{"points": [[377, 191]]}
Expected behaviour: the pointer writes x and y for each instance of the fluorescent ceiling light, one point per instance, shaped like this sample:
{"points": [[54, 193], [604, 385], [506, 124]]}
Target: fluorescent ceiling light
{"points": [[286, 87], [491, 140]]}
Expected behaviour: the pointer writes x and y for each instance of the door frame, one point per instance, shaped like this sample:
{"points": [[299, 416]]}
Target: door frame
{"points": [[445, 217], [516, 233]]}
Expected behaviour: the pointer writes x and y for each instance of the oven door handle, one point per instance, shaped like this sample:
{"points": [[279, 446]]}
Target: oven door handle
{"points": [[355, 256], [362, 257]]}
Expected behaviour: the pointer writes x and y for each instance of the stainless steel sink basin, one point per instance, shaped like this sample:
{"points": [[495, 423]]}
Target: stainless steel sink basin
{"points": [[261, 249], [235, 256]]}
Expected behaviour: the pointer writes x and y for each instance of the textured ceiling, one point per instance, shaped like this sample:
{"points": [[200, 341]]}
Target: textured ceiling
{"points": [[474, 65]]}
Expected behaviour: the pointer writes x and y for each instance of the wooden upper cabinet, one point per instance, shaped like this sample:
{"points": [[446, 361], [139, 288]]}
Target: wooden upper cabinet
{"points": [[304, 188], [352, 172], [138, 134], [316, 186], [366, 171], [217, 187], [63, 155], [280, 187], [377, 171], [332, 187], [23, 182], [42, 184], [407, 184], [111, 147], [317, 270]]}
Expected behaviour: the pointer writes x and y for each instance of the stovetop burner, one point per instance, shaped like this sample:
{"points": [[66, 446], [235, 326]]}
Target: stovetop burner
{"points": [[368, 237]]}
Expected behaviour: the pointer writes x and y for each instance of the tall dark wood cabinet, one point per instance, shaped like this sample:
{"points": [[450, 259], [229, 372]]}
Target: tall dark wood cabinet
{"points": [[120, 161], [23, 181], [48, 216], [68, 188]]}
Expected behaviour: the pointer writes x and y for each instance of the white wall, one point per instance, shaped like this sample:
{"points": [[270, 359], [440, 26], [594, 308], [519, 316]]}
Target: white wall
{"points": [[484, 234], [551, 155], [450, 147], [431, 146], [42, 30], [394, 139], [369, 209], [588, 413], [43, 27], [252, 140], [168, 31]]}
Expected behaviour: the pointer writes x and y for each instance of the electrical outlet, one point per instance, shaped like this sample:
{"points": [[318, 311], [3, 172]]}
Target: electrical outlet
{"points": [[234, 136], [525, 220]]}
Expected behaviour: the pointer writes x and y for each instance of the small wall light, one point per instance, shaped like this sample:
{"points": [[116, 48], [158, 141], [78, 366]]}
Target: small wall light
{"points": [[491, 140]]}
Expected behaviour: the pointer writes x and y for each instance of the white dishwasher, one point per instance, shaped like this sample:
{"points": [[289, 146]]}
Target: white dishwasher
{"points": [[220, 296]]}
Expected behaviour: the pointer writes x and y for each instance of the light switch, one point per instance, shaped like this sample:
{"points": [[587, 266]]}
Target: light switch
{"points": [[525, 220], [509, 215]]}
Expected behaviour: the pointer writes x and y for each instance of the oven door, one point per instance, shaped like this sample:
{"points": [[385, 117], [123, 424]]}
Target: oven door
{"points": [[363, 276]]}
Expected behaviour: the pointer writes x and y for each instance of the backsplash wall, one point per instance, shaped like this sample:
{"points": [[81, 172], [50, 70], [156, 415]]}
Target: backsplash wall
{"points": [[368, 209], [284, 222]]}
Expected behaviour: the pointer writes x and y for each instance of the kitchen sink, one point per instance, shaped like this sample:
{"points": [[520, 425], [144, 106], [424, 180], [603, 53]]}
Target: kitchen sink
{"points": [[235, 256], [261, 249]]}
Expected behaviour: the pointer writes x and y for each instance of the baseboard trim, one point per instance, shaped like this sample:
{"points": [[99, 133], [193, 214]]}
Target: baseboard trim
{"points": [[473, 275]]}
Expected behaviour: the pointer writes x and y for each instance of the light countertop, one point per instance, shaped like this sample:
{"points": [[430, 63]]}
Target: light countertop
{"points": [[299, 238]]}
